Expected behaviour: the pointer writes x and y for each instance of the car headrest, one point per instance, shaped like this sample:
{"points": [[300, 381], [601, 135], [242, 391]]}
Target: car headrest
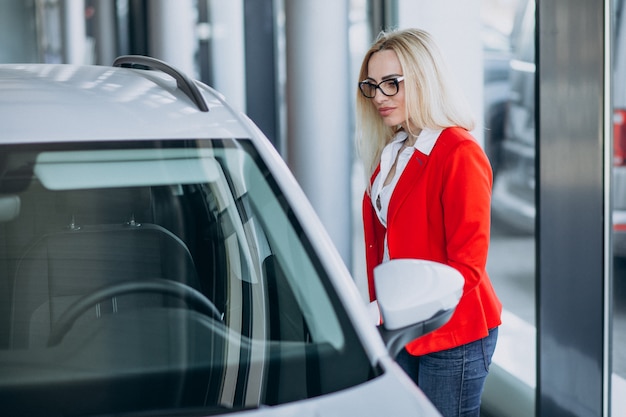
{"points": [[9, 207]]}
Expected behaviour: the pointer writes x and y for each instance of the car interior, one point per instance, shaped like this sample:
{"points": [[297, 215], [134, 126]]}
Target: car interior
{"points": [[132, 281]]}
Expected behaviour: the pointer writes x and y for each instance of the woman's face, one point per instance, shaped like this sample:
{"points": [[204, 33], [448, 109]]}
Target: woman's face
{"points": [[384, 65]]}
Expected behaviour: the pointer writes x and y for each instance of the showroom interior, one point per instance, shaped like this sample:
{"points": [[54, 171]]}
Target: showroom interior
{"points": [[292, 65]]}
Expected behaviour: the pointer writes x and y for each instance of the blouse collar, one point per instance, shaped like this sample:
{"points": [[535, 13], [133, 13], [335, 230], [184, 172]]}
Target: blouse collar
{"points": [[425, 140]]}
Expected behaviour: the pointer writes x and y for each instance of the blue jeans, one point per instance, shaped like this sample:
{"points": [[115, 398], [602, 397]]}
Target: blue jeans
{"points": [[453, 379]]}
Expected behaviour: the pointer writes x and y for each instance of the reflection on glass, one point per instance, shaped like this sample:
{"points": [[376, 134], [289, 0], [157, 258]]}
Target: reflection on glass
{"points": [[512, 252], [174, 271], [618, 197], [510, 145]]}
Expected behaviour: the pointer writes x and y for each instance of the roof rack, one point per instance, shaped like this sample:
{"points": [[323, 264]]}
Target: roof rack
{"points": [[186, 84]]}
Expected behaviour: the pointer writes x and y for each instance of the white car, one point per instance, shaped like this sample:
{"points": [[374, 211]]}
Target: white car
{"points": [[157, 258]]}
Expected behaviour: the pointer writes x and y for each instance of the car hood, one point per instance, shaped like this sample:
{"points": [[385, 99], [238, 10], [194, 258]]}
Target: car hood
{"points": [[392, 393]]}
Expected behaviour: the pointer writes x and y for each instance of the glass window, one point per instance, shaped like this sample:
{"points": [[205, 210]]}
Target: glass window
{"points": [[169, 275], [511, 263], [618, 198]]}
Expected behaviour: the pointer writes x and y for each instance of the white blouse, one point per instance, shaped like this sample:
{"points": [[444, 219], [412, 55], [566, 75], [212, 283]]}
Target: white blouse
{"points": [[381, 194]]}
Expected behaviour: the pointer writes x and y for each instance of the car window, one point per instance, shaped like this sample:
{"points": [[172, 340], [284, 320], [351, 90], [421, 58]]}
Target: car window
{"points": [[161, 275]]}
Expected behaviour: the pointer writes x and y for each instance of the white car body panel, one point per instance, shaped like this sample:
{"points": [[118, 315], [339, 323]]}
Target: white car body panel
{"points": [[391, 394]]}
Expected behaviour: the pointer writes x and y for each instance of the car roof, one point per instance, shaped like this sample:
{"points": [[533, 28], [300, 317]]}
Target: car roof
{"points": [[64, 103]]}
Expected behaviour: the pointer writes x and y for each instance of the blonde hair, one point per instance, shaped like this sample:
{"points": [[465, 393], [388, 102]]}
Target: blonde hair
{"points": [[431, 99]]}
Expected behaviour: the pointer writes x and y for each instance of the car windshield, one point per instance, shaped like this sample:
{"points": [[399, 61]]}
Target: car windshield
{"points": [[160, 276]]}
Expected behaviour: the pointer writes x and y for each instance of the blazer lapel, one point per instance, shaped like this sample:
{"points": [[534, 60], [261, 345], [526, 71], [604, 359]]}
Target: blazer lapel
{"points": [[407, 182], [373, 177]]}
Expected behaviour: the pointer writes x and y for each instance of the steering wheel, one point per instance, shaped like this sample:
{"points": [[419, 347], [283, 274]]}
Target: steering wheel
{"points": [[191, 296]]}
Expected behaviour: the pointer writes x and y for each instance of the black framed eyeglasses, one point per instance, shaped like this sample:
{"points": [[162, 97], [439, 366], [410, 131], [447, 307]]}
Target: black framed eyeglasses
{"points": [[388, 87]]}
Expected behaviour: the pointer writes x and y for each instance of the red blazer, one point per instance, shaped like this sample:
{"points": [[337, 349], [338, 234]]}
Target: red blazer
{"points": [[440, 210]]}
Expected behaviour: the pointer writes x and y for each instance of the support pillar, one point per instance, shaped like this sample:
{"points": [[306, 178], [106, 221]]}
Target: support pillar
{"points": [[319, 134], [171, 33]]}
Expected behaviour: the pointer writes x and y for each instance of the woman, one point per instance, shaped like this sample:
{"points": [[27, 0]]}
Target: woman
{"points": [[429, 197]]}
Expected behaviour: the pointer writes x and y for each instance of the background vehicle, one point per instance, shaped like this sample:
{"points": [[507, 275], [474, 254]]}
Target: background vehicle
{"points": [[497, 55], [513, 199], [514, 188], [158, 258]]}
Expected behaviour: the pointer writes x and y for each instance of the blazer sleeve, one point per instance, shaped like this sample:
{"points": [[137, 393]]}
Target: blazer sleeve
{"points": [[466, 201]]}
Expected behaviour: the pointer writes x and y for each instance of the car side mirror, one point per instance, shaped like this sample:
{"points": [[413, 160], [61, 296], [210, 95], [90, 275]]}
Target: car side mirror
{"points": [[415, 297]]}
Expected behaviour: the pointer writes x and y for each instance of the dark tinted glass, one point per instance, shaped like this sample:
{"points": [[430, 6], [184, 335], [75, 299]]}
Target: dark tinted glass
{"points": [[162, 276]]}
